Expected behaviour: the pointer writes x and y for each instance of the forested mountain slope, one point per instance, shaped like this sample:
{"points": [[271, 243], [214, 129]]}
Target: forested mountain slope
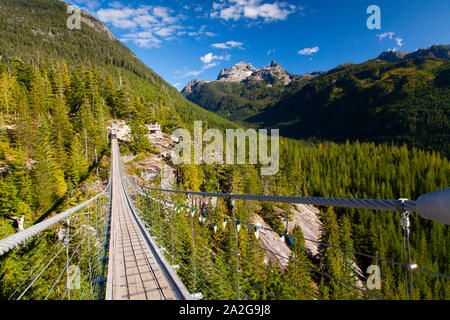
{"points": [[58, 87], [36, 32], [244, 91], [398, 97], [401, 102], [52, 132]]}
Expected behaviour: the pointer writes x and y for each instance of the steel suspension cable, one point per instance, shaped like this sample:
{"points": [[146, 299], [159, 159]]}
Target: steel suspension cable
{"points": [[322, 243], [232, 268]]}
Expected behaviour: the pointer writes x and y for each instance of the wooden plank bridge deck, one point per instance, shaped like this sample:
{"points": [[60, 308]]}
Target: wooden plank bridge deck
{"points": [[135, 272]]}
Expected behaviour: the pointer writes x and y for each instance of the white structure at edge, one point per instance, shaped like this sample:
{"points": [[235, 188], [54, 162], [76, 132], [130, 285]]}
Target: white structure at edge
{"points": [[154, 130], [123, 130]]}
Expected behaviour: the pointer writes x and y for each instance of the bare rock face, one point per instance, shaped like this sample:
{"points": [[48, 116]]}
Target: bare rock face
{"points": [[237, 73], [97, 26], [307, 217], [155, 166], [271, 241], [191, 86], [245, 72], [272, 73], [121, 129]]}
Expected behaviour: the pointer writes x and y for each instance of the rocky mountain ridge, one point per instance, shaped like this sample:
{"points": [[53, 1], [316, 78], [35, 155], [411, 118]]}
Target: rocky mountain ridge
{"points": [[243, 72], [435, 51], [273, 73]]}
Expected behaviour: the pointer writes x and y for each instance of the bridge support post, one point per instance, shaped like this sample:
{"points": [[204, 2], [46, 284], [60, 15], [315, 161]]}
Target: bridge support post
{"points": [[405, 222], [237, 249], [193, 246]]}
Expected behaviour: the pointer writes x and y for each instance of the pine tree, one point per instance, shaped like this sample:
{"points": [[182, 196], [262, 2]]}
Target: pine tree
{"points": [[77, 165], [48, 178], [332, 262], [298, 272]]}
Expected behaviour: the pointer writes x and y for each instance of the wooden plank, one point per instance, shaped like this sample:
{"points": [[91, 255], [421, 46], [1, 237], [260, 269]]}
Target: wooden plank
{"points": [[136, 275]]}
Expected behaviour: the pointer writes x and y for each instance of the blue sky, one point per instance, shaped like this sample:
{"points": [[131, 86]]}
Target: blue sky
{"points": [[182, 40]]}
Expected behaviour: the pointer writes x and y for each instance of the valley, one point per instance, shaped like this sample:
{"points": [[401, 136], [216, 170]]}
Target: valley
{"points": [[375, 130]]}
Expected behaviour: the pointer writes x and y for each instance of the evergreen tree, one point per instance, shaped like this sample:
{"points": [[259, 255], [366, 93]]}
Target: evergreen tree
{"points": [[48, 178], [298, 272]]}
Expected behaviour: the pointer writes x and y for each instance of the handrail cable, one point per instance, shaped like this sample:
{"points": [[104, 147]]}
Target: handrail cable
{"points": [[306, 239]]}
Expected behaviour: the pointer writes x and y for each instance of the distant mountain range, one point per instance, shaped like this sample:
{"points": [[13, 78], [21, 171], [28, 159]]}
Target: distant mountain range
{"points": [[435, 51], [399, 96], [244, 72]]}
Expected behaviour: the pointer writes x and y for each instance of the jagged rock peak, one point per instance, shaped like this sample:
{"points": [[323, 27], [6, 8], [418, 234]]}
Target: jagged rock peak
{"points": [[191, 86], [272, 74], [273, 64], [238, 72]]}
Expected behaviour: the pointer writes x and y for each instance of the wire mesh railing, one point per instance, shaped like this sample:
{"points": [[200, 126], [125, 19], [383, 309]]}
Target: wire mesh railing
{"points": [[62, 257], [222, 257]]}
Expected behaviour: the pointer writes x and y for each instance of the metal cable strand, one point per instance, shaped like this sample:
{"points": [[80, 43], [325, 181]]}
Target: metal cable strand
{"points": [[310, 240], [197, 278], [184, 245], [283, 279], [32, 270], [83, 256], [61, 273], [306, 239], [203, 269], [317, 271], [301, 289], [42, 271], [233, 268], [18, 238], [374, 204], [215, 268], [312, 269], [315, 241]]}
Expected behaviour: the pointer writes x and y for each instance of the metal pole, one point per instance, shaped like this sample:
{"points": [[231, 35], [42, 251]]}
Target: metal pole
{"points": [[171, 230], [406, 250], [237, 250], [193, 246], [67, 257]]}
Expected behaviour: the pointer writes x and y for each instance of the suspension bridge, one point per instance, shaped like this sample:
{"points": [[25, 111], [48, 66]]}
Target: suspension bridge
{"points": [[130, 242]]}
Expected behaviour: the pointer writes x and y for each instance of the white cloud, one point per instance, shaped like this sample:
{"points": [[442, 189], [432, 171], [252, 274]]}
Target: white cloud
{"points": [[116, 4], [210, 61], [271, 51], [228, 45], [389, 34], [193, 73], [86, 5], [201, 32], [210, 65], [147, 26], [143, 39], [252, 9], [220, 46], [158, 23], [308, 51], [207, 58], [167, 31]]}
